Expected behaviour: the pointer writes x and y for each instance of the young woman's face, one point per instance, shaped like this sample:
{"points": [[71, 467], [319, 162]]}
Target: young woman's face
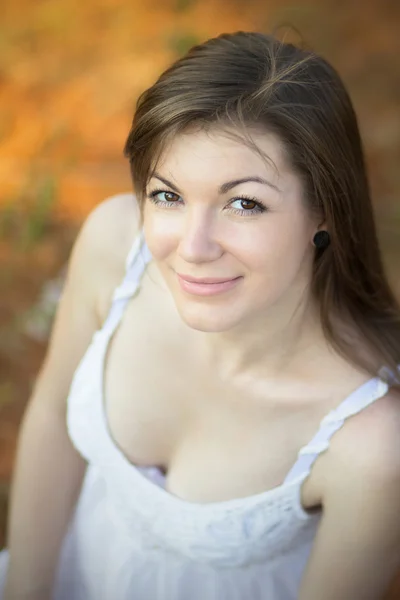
{"points": [[229, 251]]}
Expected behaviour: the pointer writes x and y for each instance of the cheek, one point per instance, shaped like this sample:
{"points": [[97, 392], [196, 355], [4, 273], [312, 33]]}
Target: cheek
{"points": [[160, 237], [278, 255]]}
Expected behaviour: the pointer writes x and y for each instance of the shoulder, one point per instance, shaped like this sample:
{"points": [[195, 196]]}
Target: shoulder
{"points": [[356, 551], [366, 450], [108, 233], [113, 223]]}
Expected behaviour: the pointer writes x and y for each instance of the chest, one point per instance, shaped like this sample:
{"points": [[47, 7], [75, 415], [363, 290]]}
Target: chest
{"points": [[165, 408]]}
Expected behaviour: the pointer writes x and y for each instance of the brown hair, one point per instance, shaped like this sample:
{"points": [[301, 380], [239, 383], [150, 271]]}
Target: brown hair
{"points": [[239, 80]]}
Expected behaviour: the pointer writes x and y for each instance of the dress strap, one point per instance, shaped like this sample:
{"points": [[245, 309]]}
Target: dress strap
{"points": [[364, 396], [135, 264], [133, 252]]}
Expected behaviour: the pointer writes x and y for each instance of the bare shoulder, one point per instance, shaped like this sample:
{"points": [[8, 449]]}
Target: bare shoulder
{"points": [[356, 551], [96, 258], [367, 445], [114, 224]]}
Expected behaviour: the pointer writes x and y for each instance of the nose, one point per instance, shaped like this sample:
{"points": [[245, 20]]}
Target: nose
{"points": [[198, 241]]}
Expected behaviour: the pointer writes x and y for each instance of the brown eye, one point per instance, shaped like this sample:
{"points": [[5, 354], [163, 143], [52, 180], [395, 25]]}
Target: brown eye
{"points": [[170, 199], [248, 204], [168, 196]]}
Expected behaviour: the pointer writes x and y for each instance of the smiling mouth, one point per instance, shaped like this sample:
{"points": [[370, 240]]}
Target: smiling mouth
{"points": [[206, 286], [206, 280]]}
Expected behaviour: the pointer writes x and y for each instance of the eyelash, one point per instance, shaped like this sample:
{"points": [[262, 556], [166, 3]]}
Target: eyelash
{"points": [[259, 208]]}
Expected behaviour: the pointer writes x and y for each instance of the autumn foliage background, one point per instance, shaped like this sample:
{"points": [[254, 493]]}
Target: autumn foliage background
{"points": [[70, 73]]}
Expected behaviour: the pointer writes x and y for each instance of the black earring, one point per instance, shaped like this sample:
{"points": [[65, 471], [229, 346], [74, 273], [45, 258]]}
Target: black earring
{"points": [[321, 239]]}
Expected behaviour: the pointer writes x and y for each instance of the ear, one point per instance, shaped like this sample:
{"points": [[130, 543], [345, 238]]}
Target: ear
{"points": [[320, 227]]}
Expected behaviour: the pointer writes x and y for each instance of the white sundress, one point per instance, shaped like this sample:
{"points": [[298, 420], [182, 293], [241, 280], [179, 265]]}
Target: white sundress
{"points": [[130, 539]]}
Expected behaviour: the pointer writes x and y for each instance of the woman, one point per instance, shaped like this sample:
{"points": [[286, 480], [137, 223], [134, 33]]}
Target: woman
{"points": [[229, 369]]}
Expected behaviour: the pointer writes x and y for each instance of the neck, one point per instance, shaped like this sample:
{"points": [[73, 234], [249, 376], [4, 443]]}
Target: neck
{"points": [[269, 345]]}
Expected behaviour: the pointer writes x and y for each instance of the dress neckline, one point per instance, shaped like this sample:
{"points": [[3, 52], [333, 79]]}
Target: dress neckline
{"points": [[166, 495]]}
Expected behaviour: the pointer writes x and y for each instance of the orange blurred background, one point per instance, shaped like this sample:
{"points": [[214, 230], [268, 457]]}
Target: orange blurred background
{"points": [[70, 73]]}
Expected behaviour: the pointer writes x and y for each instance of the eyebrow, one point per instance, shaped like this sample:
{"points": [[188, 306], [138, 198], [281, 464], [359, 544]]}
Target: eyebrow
{"points": [[225, 187]]}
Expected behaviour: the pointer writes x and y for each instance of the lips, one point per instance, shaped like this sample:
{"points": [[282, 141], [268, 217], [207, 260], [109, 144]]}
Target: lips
{"points": [[207, 286], [206, 279]]}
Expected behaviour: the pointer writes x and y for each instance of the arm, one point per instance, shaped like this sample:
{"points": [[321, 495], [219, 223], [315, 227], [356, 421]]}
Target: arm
{"points": [[356, 553], [48, 472]]}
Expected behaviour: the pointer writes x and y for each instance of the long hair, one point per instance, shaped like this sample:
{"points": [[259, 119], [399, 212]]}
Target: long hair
{"points": [[242, 80]]}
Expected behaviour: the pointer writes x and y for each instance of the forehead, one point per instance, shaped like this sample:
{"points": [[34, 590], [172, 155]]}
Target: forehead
{"points": [[216, 152]]}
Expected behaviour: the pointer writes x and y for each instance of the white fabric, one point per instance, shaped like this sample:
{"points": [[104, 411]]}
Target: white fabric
{"points": [[130, 539]]}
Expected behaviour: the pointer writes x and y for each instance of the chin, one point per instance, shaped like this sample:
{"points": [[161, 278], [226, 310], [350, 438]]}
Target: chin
{"points": [[207, 318]]}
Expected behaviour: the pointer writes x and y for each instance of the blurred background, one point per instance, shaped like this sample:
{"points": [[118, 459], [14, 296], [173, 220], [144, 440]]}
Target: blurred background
{"points": [[70, 73]]}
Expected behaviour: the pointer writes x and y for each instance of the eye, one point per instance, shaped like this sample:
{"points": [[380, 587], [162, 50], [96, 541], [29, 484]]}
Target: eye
{"points": [[169, 202], [249, 206]]}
